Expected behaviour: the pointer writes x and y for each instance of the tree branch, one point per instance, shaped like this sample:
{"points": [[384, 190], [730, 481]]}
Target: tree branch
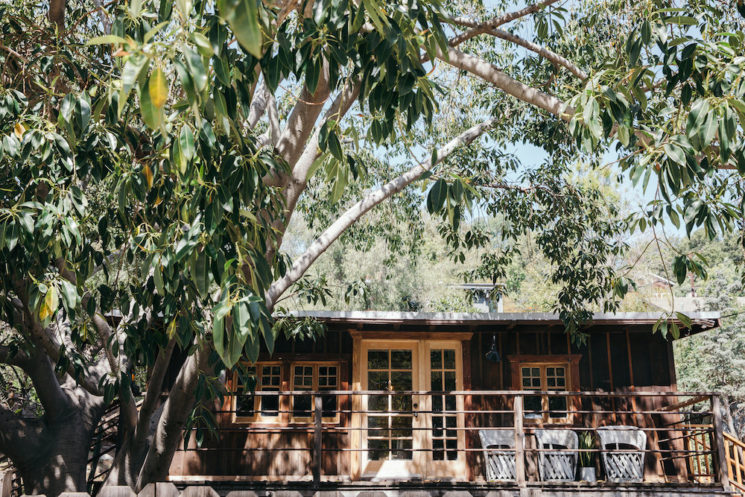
{"points": [[478, 28], [154, 390], [491, 74], [355, 212], [170, 427], [542, 51], [302, 119], [258, 104], [298, 181]]}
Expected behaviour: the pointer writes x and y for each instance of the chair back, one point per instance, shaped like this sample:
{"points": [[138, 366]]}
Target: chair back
{"points": [[500, 464], [562, 464], [623, 452]]}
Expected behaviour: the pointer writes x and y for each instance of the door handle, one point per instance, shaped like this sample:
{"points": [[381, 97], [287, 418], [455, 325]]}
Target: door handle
{"points": [[415, 407]]}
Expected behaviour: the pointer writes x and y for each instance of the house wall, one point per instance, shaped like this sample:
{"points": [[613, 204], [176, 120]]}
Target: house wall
{"points": [[614, 358]]}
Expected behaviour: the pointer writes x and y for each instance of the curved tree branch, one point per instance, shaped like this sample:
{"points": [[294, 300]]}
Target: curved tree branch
{"points": [[172, 421], [491, 74], [478, 28], [356, 211], [542, 51]]}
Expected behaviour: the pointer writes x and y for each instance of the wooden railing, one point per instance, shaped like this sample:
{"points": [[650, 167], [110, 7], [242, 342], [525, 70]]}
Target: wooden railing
{"points": [[734, 450], [331, 438]]}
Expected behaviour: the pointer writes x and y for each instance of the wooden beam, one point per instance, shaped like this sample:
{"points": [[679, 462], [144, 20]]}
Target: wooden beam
{"points": [[519, 442]]}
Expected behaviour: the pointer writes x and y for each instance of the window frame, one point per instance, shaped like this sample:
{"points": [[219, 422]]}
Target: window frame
{"points": [[314, 388], [257, 416], [570, 363], [545, 416]]}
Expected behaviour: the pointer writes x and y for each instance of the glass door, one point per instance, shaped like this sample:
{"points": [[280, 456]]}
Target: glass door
{"points": [[444, 417], [391, 420]]}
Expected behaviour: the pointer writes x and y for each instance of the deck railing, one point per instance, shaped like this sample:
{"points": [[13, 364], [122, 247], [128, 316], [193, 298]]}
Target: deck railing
{"points": [[352, 428], [734, 450]]}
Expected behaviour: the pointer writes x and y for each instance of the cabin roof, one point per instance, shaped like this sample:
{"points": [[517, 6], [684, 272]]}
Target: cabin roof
{"points": [[701, 321]]}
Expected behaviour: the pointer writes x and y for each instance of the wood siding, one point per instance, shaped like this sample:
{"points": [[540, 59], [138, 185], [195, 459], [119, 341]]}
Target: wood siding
{"points": [[612, 357]]}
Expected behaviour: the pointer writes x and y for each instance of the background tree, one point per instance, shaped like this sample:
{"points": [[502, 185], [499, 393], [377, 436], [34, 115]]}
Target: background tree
{"points": [[154, 153]]}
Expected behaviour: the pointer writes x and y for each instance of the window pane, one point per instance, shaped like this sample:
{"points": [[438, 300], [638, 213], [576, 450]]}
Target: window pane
{"points": [[533, 403], [328, 402], [535, 372], [400, 359], [449, 380], [436, 380], [401, 380], [377, 359], [436, 359], [377, 380], [378, 449], [244, 405], [557, 406], [269, 405], [301, 406], [449, 359]]}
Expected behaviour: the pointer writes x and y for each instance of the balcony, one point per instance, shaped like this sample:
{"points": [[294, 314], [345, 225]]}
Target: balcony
{"points": [[432, 440]]}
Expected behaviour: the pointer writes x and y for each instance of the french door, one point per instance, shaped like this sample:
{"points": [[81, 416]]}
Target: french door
{"points": [[410, 435]]}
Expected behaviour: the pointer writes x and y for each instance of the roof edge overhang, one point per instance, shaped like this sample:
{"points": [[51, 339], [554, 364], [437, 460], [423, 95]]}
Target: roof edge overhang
{"points": [[701, 321]]}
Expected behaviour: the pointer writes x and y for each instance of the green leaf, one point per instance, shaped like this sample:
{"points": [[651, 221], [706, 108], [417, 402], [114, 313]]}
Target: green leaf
{"points": [[186, 142], [675, 153], [134, 66], [243, 18], [200, 274], [203, 44], [684, 319], [49, 304], [158, 88], [709, 129], [436, 196], [151, 114], [680, 20], [696, 117], [196, 69], [106, 40]]}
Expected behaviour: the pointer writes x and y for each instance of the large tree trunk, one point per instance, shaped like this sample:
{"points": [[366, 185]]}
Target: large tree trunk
{"points": [[52, 456]]}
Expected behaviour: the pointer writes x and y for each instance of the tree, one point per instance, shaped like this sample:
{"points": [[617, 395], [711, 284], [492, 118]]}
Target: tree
{"points": [[154, 153]]}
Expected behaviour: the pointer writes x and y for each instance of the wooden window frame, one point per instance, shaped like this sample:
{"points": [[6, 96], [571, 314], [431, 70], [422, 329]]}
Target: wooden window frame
{"points": [[315, 365], [571, 364], [257, 416]]}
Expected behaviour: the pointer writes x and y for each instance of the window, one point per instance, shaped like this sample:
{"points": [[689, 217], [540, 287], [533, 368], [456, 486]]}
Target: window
{"points": [[314, 377], [250, 407], [545, 377]]}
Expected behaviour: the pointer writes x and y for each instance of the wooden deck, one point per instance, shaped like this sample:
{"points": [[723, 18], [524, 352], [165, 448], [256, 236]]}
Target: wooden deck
{"points": [[444, 489]]}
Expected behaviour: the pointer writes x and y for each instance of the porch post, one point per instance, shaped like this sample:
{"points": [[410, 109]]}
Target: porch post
{"points": [[519, 442], [317, 441], [718, 441]]}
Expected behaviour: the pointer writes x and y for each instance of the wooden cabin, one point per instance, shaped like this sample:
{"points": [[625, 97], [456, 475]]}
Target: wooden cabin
{"points": [[396, 399]]}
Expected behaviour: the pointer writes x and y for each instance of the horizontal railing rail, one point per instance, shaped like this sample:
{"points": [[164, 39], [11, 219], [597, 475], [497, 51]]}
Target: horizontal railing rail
{"points": [[404, 425]]}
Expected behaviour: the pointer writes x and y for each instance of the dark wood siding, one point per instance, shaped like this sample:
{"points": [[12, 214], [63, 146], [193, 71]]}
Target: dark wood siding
{"points": [[608, 360]]}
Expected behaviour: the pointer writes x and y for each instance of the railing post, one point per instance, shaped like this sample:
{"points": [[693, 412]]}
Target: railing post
{"points": [[317, 441], [718, 441], [519, 442]]}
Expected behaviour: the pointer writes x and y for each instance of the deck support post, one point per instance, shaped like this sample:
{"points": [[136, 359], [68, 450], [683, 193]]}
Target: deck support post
{"points": [[519, 443], [317, 441], [718, 441]]}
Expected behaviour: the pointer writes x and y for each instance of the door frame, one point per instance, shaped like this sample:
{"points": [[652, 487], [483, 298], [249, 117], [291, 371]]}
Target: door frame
{"points": [[421, 465]]}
